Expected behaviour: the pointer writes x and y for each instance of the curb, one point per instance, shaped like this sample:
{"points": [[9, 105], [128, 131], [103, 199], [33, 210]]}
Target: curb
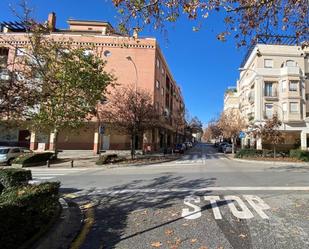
{"points": [[269, 162], [65, 229]]}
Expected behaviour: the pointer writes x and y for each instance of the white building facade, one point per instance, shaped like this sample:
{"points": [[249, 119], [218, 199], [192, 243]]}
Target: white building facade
{"points": [[274, 79]]}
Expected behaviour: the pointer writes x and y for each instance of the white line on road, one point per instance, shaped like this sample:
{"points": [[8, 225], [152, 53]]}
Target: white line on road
{"points": [[123, 191]]}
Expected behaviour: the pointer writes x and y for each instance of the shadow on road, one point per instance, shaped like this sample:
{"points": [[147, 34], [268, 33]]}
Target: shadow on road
{"points": [[112, 210]]}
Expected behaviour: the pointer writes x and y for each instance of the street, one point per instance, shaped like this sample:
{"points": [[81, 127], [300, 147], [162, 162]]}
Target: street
{"points": [[203, 200]]}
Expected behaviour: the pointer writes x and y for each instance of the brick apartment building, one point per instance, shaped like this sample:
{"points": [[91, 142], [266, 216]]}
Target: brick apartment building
{"points": [[151, 73]]}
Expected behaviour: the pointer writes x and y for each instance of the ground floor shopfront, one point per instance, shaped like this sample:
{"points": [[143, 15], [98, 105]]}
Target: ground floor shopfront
{"points": [[90, 137], [295, 136]]}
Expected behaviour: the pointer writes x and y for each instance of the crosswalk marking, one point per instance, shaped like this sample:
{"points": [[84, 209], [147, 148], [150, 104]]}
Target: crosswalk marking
{"points": [[39, 175]]}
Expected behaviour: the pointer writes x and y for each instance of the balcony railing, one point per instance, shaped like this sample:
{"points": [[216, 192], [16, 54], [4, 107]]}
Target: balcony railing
{"points": [[271, 94]]}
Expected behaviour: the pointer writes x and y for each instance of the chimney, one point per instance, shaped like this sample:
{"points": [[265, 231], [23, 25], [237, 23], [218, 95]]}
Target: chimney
{"points": [[104, 30], [135, 33], [51, 21]]}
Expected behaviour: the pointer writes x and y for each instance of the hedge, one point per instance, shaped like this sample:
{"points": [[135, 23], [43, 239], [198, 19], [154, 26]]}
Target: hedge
{"points": [[14, 177], [300, 154], [33, 159], [25, 211], [249, 153], [104, 159]]}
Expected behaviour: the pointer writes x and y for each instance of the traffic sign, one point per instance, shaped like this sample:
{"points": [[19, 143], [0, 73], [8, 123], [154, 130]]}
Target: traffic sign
{"points": [[242, 134]]}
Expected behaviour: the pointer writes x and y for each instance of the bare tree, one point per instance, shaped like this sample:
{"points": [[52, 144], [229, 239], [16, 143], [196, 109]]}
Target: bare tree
{"points": [[231, 124], [269, 132], [212, 131], [130, 112], [243, 18], [179, 122]]}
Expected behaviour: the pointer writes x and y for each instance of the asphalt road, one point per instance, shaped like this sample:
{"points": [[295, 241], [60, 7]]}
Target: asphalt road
{"points": [[203, 200]]}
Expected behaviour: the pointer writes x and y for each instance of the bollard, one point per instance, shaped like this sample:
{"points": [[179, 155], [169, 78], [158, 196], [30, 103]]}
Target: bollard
{"points": [[48, 164], [72, 162]]}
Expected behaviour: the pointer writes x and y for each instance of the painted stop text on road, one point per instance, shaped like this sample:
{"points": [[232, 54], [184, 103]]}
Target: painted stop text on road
{"points": [[238, 206]]}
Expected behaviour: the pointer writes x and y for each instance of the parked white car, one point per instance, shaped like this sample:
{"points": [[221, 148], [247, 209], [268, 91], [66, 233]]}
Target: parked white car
{"points": [[8, 154]]}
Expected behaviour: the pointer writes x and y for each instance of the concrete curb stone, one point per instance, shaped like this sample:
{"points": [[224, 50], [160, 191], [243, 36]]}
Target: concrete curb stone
{"points": [[64, 230]]}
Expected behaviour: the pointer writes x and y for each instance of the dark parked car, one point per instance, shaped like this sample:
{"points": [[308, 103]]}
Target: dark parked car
{"points": [[179, 148], [221, 145]]}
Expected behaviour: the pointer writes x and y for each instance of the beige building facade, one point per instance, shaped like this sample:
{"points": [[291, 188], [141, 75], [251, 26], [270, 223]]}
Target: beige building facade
{"points": [[274, 79], [133, 60]]}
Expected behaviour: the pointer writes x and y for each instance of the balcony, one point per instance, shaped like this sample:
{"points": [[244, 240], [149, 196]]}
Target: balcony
{"points": [[271, 95]]}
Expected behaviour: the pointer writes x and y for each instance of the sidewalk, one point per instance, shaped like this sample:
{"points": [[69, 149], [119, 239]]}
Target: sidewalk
{"points": [[270, 162]]}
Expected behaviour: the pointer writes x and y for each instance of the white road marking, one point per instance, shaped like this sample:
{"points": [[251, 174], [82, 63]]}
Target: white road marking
{"points": [[153, 190], [193, 211], [244, 213], [39, 175], [257, 204], [213, 202], [196, 212]]}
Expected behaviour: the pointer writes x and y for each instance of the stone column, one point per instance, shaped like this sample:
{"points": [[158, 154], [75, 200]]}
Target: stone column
{"points": [[52, 141], [96, 142], [33, 141], [259, 143], [303, 140], [258, 98]]}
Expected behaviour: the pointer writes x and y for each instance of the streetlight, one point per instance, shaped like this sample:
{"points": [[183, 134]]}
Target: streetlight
{"points": [[129, 58]]}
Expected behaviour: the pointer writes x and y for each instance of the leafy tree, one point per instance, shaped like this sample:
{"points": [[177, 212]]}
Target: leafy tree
{"points": [[133, 115], [243, 18], [53, 85], [231, 124], [179, 122], [269, 132]]}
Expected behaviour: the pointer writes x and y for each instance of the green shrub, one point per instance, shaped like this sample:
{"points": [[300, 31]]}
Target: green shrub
{"points": [[33, 158], [14, 177], [104, 159], [25, 211], [300, 154], [248, 153]]}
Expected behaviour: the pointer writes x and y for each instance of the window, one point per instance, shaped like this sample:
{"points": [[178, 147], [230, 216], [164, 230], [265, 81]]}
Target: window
{"points": [[4, 54], [268, 110], [157, 84], [20, 51], [293, 107], [162, 91], [290, 63], [158, 63], [268, 63], [269, 90], [293, 86], [163, 71], [307, 96], [283, 85]]}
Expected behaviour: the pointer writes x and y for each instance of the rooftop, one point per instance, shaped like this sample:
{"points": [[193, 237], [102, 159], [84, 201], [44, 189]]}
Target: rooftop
{"points": [[270, 40]]}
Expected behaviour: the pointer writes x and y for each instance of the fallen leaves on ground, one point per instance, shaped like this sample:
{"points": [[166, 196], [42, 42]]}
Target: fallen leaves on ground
{"points": [[193, 241], [203, 247], [169, 232], [242, 236], [156, 244]]}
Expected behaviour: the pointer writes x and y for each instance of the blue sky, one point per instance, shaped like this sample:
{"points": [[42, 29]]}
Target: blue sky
{"points": [[203, 66]]}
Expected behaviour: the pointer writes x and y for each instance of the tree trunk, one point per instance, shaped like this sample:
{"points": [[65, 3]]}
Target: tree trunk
{"points": [[132, 146], [274, 151], [233, 147], [55, 142]]}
